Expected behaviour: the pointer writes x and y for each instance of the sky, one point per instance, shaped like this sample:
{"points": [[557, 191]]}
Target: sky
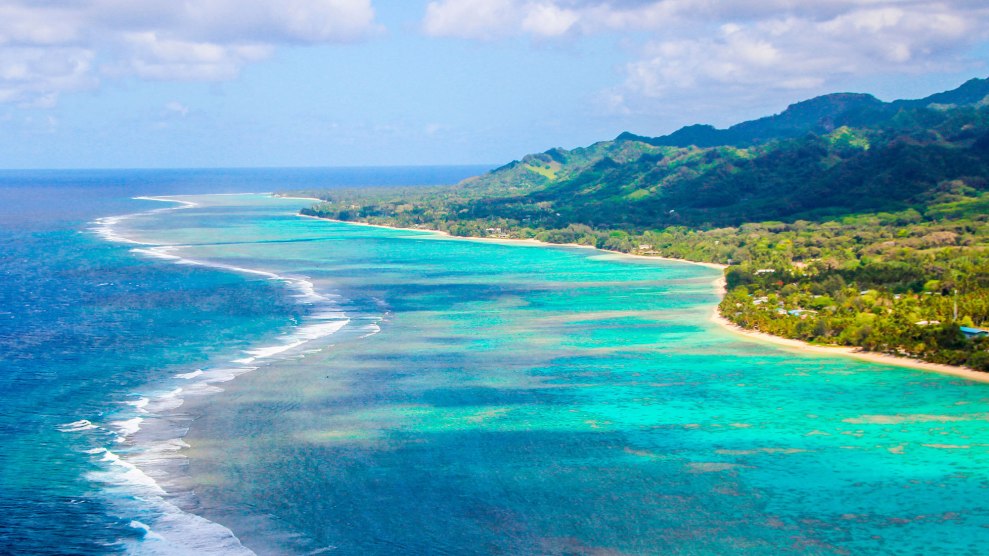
{"points": [[230, 83]]}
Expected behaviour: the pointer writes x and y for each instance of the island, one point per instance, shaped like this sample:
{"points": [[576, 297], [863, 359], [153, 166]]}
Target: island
{"points": [[842, 221]]}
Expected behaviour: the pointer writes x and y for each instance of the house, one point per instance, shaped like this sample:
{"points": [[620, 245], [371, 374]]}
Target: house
{"points": [[972, 333], [802, 313]]}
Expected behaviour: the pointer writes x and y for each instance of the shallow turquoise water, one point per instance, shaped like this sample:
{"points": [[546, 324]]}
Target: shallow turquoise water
{"points": [[488, 398]]}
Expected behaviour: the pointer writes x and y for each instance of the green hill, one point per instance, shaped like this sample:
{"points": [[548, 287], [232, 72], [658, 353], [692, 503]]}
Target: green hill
{"points": [[835, 154], [846, 220]]}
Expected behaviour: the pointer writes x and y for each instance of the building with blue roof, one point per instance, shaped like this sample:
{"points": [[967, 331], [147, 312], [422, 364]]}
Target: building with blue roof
{"points": [[971, 333]]}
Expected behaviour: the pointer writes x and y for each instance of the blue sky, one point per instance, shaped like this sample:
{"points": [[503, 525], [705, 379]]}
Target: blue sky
{"points": [[160, 83]]}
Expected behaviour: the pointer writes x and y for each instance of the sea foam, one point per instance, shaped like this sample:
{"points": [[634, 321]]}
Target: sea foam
{"points": [[148, 458], [77, 426]]}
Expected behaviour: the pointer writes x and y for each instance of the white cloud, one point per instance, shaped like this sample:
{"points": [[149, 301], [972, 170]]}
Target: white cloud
{"points": [[801, 53], [177, 108], [680, 49], [487, 19], [153, 57], [34, 75], [55, 46], [548, 20], [473, 19]]}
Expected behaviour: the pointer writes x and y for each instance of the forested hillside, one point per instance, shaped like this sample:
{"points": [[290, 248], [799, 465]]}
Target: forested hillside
{"points": [[845, 219]]}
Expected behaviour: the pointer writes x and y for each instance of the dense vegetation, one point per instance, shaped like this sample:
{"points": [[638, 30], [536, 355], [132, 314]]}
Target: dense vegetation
{"points": [[844, 220]]}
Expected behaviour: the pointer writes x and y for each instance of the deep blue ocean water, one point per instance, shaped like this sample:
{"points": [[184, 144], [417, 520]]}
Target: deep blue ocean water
{"points": [[85, 325]]}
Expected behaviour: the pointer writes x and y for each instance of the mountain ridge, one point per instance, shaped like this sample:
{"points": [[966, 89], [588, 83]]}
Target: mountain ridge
{"points": [[821, 114], [843, 152]]}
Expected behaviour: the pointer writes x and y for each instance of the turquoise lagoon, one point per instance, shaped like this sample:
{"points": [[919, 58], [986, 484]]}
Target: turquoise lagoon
{"points": [[441, 396]]}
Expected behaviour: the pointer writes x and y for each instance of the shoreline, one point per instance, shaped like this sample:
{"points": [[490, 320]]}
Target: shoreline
{"points": [[853, 352], [529, 242], [720, 285]]}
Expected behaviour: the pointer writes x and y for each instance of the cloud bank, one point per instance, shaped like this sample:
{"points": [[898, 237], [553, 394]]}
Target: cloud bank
{"points": [[51, 46], [678, 48]]}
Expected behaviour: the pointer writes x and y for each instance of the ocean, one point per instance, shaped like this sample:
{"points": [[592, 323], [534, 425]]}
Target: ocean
{"points": [[210, 373]]}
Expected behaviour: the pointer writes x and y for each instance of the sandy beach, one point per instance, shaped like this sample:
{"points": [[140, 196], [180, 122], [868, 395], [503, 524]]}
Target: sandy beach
{"points": [[530, 242], [720, 286], [857, 353]]}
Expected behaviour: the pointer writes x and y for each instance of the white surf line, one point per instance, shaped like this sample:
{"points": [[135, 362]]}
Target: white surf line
{"points": [[326, 323], [174, 531], [77, 426], [104, 226], [170, 521]]}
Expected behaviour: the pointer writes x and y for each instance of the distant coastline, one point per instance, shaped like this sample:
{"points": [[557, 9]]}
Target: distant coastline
{"points": [[716, 316]]}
